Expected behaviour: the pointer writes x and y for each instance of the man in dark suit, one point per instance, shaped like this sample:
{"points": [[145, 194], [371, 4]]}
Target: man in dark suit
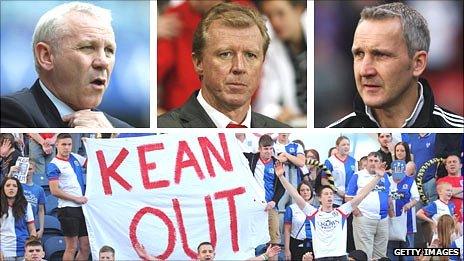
{"points": [[229, 46], [74, 50]]}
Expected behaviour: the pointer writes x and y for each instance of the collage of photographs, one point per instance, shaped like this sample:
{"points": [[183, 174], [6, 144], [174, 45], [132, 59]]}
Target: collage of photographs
{"points": [[321, 130]]}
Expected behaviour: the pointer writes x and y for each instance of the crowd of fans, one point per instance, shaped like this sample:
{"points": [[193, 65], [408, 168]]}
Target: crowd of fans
{"points": [[340, 207]]}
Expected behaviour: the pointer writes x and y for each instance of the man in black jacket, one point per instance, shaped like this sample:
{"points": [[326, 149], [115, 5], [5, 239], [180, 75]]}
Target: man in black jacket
{"points": [[262, 167], [390, 52]]}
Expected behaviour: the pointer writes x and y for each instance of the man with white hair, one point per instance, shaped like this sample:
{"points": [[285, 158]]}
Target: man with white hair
{"points": [[74, 50]]}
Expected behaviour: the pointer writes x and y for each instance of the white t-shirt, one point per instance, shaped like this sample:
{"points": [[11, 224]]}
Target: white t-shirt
{"points": [[375, 204], [70, 176], [249, 144], [438, 208], [328, 230], [300, 227]]}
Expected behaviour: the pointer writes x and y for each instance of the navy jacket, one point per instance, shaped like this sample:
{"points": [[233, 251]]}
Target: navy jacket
{"points": [[192, 115], [31, 108]]}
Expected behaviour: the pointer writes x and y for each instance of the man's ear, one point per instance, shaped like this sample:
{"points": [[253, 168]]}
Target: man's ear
{"points": [[44, 56], [197, 64], [419, 63]]}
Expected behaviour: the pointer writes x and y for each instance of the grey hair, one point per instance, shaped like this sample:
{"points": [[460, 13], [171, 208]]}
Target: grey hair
{"points": [[50, 27], [415, 30]]}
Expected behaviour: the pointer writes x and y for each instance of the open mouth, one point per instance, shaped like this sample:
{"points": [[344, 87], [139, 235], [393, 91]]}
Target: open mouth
{"points": [[99, 82]]}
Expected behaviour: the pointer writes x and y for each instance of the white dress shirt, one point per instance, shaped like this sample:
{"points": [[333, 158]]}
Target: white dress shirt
{"points": [[220, 119]]}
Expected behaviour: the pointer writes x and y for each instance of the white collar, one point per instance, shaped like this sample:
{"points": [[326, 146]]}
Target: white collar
{"points": [[412, 118], [220, 119], [62, 107]]}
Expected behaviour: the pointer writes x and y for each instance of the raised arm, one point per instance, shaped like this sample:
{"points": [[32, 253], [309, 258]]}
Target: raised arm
{"points": [[379, 173]]}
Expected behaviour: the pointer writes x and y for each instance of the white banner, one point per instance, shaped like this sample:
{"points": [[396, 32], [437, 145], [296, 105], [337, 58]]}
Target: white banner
{"points": [[170, 193], [23, 168]]}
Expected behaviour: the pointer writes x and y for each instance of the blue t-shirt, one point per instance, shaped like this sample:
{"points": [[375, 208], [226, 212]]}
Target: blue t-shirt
{"points": [[35, 195], [423, 149], [293, 149], [401, 194]]}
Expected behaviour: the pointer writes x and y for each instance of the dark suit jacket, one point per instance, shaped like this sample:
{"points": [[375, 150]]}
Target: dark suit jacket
{"points": [[31, 108], [192, 115]]}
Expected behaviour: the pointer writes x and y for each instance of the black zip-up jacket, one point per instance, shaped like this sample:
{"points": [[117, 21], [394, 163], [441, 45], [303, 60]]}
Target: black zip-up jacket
{"points": [[278, 187], [430, 116]]}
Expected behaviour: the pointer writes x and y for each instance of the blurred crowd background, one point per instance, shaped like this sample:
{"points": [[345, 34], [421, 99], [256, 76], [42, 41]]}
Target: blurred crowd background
{"points": [[335, 23], [127, 96]]}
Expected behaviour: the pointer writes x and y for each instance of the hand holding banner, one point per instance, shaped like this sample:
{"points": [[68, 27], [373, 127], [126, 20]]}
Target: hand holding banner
{"points": [[22, 164], [171, 193]]}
